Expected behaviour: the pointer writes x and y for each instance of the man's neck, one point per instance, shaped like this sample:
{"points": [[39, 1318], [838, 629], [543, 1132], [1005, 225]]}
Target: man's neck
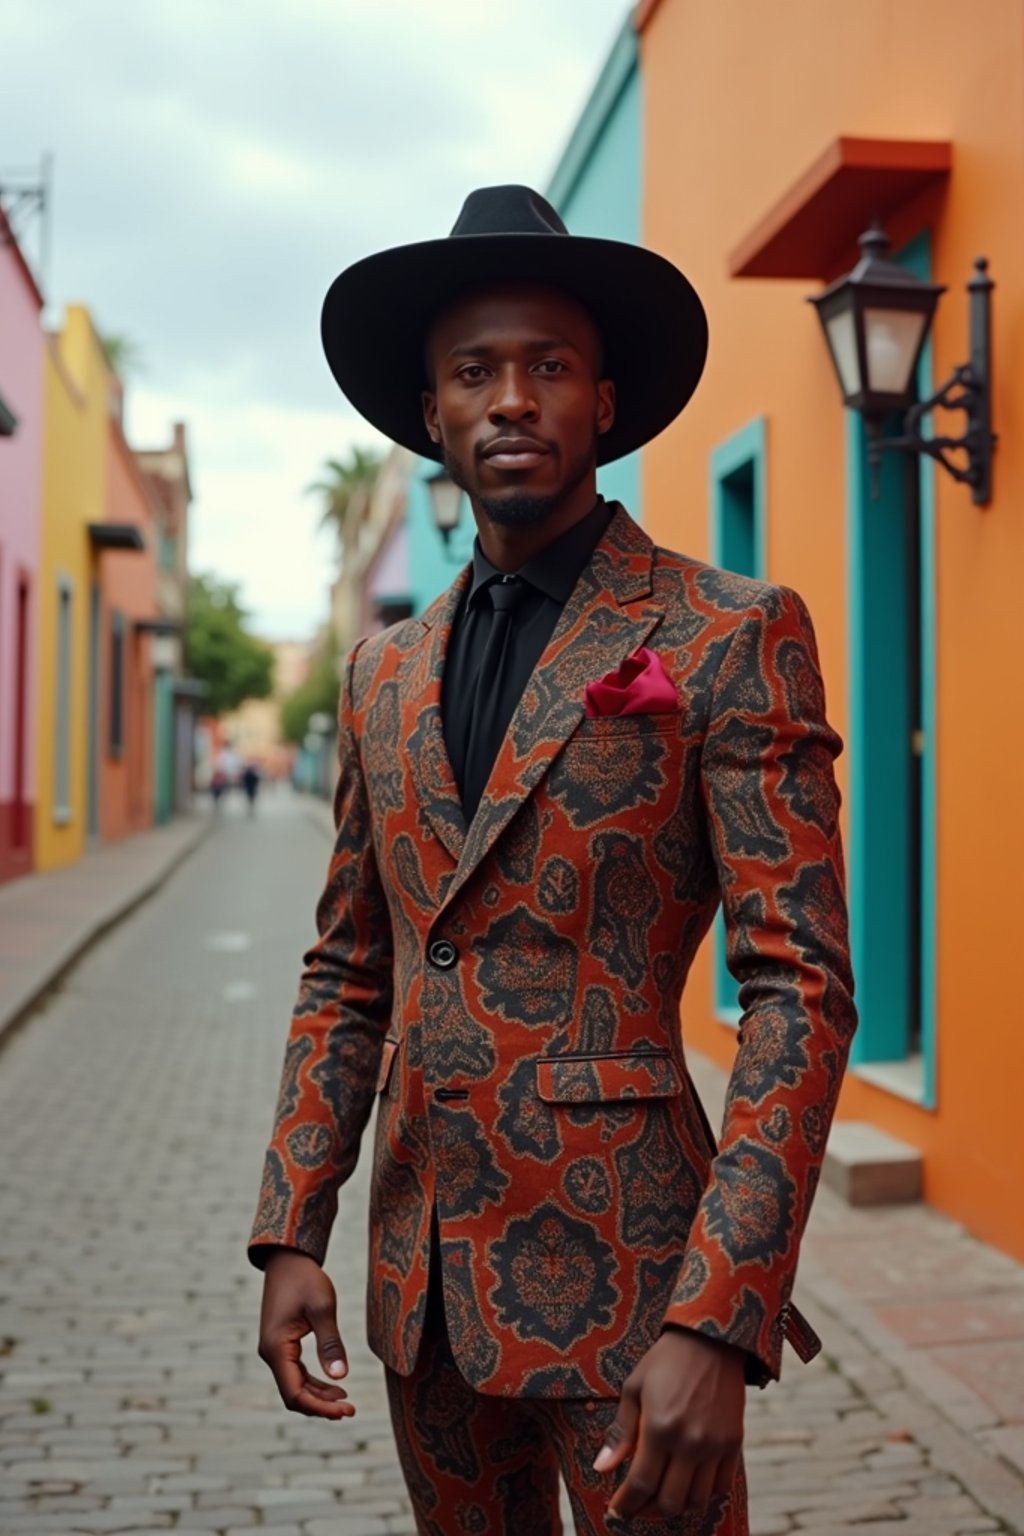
{"points": [[508, 549]]}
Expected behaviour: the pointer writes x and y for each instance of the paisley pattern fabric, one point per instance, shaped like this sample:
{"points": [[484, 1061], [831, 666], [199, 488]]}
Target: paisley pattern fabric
{"points": [[527, 972], [488, 1466]]}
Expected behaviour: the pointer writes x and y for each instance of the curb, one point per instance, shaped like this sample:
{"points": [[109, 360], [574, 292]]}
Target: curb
{"points": [[18, 1006]]}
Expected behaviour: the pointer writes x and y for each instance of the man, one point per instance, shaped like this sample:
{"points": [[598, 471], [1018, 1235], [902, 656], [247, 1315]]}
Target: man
{"points": [[546, 786]]}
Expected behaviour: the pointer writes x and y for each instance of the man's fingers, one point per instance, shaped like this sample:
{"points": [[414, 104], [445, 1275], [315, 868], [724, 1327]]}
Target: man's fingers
{"points": [[329, 1348], [676, 1490], [326, 1389], [300, 1391], [315, 1404], [725, 1477], [702, 1487], [640, 1486], [620, 1436], [285, 1361]]}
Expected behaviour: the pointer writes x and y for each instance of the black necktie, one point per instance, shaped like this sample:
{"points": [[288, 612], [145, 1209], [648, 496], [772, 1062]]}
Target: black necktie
{"points": [[490, 716]]}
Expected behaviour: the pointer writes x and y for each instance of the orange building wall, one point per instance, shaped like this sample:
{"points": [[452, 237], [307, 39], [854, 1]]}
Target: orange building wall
{"points": [[739, 99], [128, 584]]}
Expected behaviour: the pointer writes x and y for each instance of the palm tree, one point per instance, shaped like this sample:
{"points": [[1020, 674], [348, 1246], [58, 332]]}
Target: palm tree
{"points": [[345, 490], [122, 354]]}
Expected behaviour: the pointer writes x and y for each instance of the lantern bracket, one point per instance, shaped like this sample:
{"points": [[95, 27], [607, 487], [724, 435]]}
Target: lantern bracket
{"points": [[968, 389]]}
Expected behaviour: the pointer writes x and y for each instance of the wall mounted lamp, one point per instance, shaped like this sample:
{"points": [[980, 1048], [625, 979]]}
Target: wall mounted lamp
{"points": [[876, 321], [445, 502]]}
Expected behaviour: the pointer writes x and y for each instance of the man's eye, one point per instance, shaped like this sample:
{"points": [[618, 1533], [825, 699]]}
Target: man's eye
{"points": [[552, 365], [472, 372]]}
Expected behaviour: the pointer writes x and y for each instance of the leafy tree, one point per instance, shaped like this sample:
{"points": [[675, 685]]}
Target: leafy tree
{"points": [[219, 650], [122, 354], [318, 693], [345, 489]]}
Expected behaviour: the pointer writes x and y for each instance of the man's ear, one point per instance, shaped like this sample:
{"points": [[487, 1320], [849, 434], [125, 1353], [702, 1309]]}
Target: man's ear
{"points": [[605, 405], [429, 402]]}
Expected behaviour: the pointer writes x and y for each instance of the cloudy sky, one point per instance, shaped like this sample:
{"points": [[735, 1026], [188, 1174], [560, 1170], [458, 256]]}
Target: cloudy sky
{"points": [[217, 163]]}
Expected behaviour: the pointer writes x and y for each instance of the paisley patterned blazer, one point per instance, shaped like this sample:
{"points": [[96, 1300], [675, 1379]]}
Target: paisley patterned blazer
{"points": [[508, 992]]}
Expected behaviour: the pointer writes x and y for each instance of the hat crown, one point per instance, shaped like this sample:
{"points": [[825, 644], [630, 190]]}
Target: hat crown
{"points": [[507, 210]]}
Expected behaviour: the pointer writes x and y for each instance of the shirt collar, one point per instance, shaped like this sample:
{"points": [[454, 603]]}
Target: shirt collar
{"points": [[555, 569]]}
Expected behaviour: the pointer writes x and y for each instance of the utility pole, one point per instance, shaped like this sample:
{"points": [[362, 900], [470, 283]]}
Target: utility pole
{"points": [[26, 196]]}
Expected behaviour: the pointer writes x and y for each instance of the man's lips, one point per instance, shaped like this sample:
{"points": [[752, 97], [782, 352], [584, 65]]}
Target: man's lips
{"points": [[515, 453]]}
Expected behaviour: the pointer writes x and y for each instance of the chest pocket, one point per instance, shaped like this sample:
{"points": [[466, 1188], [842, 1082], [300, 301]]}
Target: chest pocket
{"points": [[617, 763], [600, 729], [609, 1078]]}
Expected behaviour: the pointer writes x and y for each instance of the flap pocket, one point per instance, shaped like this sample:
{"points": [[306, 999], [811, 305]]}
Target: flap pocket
{"points": [[618, 1075], [387, 1061], [603, 727]]}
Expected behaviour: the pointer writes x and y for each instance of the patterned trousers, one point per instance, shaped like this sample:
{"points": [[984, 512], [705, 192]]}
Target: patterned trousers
{"points": [[489, 1466]]}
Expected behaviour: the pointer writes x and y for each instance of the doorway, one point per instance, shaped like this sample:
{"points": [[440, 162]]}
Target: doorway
{"points": [[93, 770], [19, 807], [891, 858]]}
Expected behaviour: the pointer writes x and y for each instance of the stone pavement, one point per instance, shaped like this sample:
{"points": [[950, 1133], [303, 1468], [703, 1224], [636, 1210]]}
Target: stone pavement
{"points": [[47, 920], [134, 1107], [909, 1423]]}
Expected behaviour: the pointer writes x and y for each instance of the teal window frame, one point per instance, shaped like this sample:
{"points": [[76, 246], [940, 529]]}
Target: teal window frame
{"points": [[738, 472], [63, 694], [880, 965], [167, 551], [115, 712]]}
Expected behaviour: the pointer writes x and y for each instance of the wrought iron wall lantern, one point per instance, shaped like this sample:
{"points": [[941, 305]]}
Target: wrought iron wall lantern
{"points": [[445, 502], [876, 321]]}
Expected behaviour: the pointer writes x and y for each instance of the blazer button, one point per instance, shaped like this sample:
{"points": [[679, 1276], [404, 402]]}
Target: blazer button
{"points": [[443, 954]]}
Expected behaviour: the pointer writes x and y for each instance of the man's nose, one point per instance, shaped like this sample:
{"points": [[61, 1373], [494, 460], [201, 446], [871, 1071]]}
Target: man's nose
{"points": [[513, 397]]}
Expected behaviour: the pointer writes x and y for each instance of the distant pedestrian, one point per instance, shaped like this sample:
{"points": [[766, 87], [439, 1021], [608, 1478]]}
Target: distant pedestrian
{"points": [[251, 785], [225, 773]]}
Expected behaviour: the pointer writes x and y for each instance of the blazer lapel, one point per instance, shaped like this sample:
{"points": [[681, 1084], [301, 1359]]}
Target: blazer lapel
{"points": [[437, 795], [607, 616]]}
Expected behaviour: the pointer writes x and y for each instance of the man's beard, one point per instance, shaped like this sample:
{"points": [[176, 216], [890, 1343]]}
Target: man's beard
{"points": [[519, 511]]}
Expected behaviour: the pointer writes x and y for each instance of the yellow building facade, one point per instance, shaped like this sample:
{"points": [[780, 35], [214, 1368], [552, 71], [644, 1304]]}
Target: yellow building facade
{"points": [[74, 495]]}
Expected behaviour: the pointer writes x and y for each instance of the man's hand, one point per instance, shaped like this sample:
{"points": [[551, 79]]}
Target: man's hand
{"points": [[680, 1419], [298, 1298]]}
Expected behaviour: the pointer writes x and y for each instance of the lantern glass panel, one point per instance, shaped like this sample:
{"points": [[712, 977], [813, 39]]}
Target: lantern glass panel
{"points": [[893, 337], [445, 501], [163, 652], [842, 338]]}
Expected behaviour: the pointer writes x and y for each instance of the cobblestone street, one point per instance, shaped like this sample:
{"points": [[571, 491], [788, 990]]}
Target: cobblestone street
{"points": [[133, 1111]]}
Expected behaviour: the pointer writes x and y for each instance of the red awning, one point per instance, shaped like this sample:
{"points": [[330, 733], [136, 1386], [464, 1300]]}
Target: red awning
{"points": [[812, 230]]}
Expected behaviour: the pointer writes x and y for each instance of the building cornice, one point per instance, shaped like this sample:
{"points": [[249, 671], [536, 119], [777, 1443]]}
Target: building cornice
{"points": [[616, 73]]}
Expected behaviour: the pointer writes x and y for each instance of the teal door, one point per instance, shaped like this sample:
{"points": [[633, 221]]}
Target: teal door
{"points": [[93, 766], [891, 745]]}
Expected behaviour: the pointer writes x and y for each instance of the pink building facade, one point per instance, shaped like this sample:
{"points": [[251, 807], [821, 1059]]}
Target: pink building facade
{"points": [[21, 449]]}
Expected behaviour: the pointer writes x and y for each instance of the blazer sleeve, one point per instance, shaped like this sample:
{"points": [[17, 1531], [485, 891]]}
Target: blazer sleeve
{"points": [[337, 1029], [773, 811]]}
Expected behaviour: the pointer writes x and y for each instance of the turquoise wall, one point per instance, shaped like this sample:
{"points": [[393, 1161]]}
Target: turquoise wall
{"points": [[738, 497], [597, 188], [432, 568]]}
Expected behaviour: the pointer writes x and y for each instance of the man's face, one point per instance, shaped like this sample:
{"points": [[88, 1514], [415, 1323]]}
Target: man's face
{"points": [[517, 402]]}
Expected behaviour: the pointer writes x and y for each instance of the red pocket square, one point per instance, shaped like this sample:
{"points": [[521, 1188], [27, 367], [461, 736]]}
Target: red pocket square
{"points": [[641, 686]]}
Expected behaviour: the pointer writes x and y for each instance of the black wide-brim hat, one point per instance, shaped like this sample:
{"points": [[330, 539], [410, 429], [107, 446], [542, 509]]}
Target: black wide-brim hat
{"points": [[377, 315]]}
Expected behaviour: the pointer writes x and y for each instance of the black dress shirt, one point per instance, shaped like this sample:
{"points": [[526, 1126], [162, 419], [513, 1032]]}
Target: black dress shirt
{"points": [[548, 580]]}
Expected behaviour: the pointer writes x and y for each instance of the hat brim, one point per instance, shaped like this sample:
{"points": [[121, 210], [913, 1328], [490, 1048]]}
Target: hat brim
{"points": [[652, 324]]}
